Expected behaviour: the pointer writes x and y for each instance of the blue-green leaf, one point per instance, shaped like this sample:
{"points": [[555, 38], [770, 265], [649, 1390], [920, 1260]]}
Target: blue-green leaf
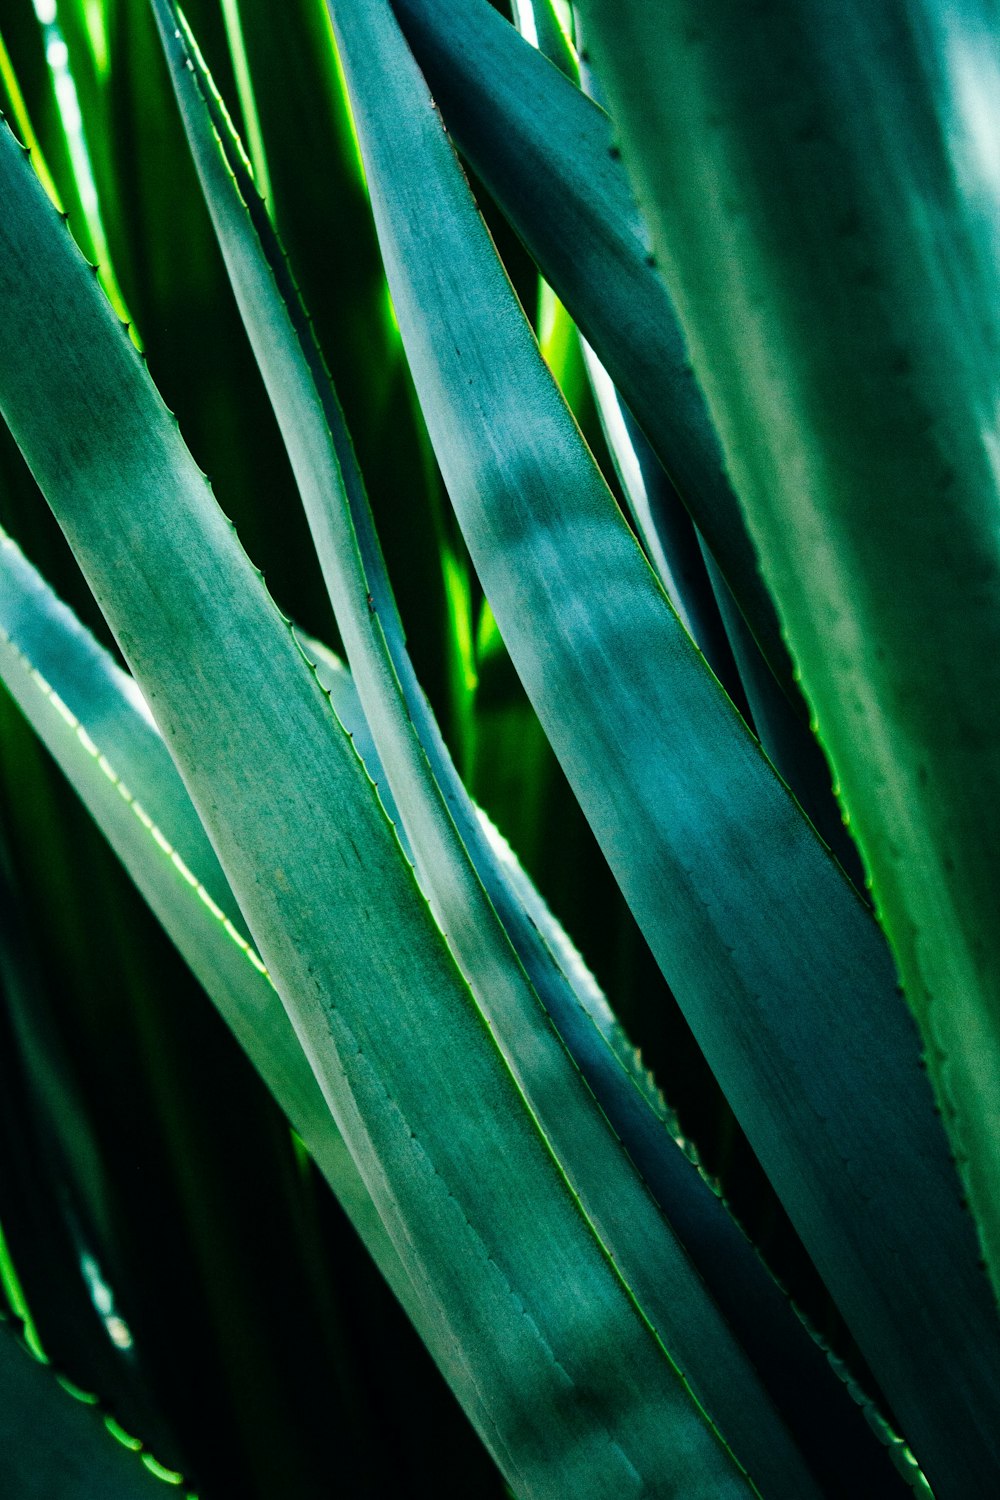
{"points": [[832, 246], [549, 156], [781, 970], [85, 709], [528, 1316]]}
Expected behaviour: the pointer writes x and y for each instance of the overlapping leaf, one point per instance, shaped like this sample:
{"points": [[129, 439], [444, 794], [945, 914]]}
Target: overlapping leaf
{"points": [[781, 970], [522, 1301], [832, 246]]}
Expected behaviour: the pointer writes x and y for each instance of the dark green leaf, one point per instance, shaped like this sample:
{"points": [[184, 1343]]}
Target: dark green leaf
{"points": [[831, 243], [56, 1444], [523, 1302], [781, 970]]}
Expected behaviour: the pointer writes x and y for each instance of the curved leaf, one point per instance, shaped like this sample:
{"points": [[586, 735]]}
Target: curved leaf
{"points": [[75, 694], [525, 1308], [781, 970], [832, 245], [548, 155]]}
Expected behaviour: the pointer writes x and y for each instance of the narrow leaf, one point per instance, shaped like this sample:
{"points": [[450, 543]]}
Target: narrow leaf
{"points": [[781, 970], [548, 155], [832, 245], [522, 1301], [79, 701]]}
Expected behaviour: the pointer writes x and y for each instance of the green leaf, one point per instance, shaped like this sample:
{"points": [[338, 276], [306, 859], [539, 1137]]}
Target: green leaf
{"points": [[780, 969], [549, 157], [185, 1148], [832, 247], [467, 888], [38, 89], [86, 709], [57, 1444], [523, 1303], [79, 702], [317, 199], [542, 148]]}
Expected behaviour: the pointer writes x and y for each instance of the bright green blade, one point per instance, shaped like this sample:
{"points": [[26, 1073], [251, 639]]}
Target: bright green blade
{"points": [[57, 1444], [538, 24], [781, 971], [834, 257], [548, 155], [12, 102], [164, 252], [519, 1294], [41, 101]]}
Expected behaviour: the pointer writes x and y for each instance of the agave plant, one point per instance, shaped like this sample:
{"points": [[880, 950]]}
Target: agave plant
{"points": [[609, 397]]}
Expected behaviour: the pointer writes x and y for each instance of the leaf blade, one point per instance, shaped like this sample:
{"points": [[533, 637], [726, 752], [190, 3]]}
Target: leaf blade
{"points": [[754, 945], [174, 572], [549, 156], [886, 437], [91, 689], [54, 1441]]}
